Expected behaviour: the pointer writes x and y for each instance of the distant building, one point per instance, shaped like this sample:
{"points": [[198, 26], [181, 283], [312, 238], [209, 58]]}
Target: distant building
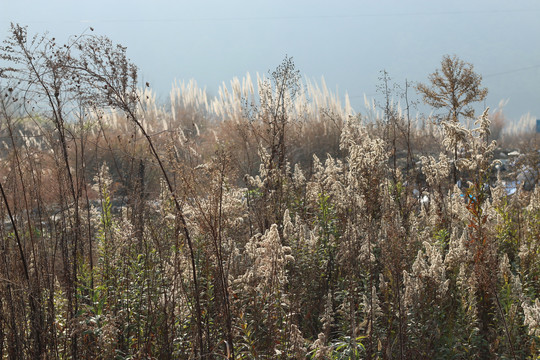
{"points": [[538, 125]]}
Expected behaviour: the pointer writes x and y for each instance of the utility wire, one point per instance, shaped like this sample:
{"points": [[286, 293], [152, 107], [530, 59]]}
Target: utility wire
{"points": [[292, 17], [483, 76], [512, 71]]}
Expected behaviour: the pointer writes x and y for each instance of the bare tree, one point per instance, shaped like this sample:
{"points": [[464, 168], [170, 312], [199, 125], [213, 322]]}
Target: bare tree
{"points": [[454, 87]]}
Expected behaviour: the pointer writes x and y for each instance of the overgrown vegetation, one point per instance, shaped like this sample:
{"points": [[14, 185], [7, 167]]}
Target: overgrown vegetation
{"points": [[270, 222]]}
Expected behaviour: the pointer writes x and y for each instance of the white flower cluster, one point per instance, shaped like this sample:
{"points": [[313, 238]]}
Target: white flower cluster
{"points": [[532, 317], [428, 272], [268, 257], [435, 171]]}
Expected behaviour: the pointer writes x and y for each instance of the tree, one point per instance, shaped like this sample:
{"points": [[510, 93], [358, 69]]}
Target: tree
{"points": [[454, 87]]}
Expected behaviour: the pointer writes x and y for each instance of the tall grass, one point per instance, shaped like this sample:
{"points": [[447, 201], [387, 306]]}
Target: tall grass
{"points": [[268, 222]]}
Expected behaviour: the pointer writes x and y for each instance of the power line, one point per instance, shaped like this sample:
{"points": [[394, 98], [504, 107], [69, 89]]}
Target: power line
{"points": [[293, 17], [512, 71], [484, 76]]}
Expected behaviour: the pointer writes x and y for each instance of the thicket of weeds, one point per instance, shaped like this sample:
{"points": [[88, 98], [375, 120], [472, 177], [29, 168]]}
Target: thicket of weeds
{"points": [[266, 223]]}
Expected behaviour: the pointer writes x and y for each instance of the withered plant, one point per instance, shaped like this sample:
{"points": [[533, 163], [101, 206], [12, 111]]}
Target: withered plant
{"points": [[269, 222]]}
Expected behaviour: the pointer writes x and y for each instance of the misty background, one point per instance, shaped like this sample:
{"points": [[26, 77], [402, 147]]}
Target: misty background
{"points": [[347, 42]]}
